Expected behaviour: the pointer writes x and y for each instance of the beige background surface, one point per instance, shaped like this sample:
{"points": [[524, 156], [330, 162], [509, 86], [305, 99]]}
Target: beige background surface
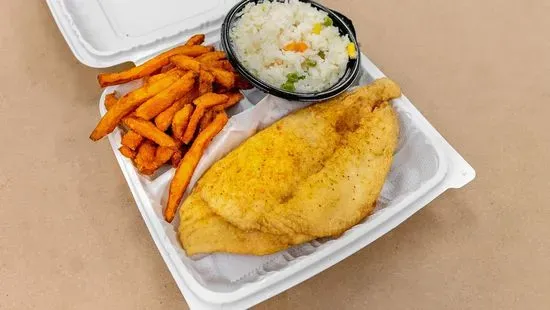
{"points": [[71, 237]]}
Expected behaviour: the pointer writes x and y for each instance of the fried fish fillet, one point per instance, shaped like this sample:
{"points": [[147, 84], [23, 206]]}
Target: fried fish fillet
{"points": [[202, 231], [314, 173]]}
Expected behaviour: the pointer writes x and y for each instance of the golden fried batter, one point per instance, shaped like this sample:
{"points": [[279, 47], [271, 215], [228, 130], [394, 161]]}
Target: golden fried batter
{"points": [[314, 173], [202, 231]]}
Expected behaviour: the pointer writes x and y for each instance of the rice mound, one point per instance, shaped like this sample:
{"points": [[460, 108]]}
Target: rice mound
{"points": [[263, 30]]}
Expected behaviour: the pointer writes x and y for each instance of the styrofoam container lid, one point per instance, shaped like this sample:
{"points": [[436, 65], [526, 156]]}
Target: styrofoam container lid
{"points": [[105, 33]]}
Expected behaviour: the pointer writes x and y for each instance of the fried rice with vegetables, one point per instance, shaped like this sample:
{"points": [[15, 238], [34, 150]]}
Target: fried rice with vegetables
{"points": [[291, 45]]}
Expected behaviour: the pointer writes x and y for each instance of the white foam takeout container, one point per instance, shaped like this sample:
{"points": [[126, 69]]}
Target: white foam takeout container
{"points": [[104, 33]]}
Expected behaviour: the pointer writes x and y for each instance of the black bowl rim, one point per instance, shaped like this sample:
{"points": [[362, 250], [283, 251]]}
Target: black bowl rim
{"points": [[342, 85]]}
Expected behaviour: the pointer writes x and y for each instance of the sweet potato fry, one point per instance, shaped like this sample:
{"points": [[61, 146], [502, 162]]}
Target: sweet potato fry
{"points": [[167, 68], [110, 101], [146, 79], [131, 139], [164, 119], [222, 64], [209, 100], [163, 155], [218, 89], [193, 123], [129, 102], [202, 103], [224, 78], [214, 64], [187, 166], [149, 67], [181, 121], [211, 56], [176, 158], [197, 39], [186, 63], [205, 82], [221, 76], [206, 120], [166, 98], [234, 98], [226, 65], [145, 158], [149, 131], [156, 77], [127, 152], [242, 83]]}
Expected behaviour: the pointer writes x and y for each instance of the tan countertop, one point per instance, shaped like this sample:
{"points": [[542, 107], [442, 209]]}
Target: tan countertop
{"points": [[72, 238]]}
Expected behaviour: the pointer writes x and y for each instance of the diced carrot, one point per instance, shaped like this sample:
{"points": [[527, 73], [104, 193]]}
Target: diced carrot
{"points": [[298, 47]]}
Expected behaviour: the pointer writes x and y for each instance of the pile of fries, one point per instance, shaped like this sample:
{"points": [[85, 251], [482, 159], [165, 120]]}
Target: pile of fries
{"points": [[173, 117]]}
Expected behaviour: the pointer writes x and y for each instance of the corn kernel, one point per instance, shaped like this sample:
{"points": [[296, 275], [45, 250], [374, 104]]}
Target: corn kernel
{"points": [[317, 28], [352, 51]]}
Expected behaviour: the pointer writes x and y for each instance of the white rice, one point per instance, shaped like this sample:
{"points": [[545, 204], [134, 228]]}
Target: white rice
{"points": [[264, 29]]}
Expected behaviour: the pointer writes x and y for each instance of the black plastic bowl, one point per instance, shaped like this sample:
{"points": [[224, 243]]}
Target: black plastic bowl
{"points": [[343, 23]]}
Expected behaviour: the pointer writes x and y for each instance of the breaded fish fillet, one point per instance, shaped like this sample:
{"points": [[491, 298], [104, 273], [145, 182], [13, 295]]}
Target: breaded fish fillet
{"points": [[202, 231], [314, 173]]}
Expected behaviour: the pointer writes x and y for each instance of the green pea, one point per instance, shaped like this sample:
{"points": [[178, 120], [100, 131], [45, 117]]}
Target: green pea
{"points": [[294, 77], [310, 62], [327, 22], [321, 54], [288, 86]]}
